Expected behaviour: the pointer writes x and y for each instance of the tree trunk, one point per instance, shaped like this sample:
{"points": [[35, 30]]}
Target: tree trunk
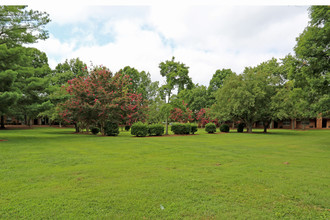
{"points": [[249, 128], [2, 122], [292, 120], [166, 126], [76, 127], [266, 124]]}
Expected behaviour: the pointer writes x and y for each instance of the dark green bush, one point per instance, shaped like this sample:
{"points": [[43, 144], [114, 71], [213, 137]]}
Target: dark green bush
{"points": [[95, 130], [139, 129], [156, 130], [111, 129], [127, 127], [179, 128], [240, 127], [224, 128], [187, 128], [194, 128], [210, 128]]}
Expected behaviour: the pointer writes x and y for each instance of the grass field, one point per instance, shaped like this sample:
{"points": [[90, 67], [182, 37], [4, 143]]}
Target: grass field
{"points": [[51, 173]]}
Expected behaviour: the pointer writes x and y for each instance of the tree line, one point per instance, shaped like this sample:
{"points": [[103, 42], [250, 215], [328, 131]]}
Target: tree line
{"points": [[294, 87]]}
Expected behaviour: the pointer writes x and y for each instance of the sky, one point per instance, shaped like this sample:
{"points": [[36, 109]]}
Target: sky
{"points": [[205, 37]]}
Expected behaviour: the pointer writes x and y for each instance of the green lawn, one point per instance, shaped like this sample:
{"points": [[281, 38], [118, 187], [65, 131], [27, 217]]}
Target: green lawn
{"points": [[49, 173]]}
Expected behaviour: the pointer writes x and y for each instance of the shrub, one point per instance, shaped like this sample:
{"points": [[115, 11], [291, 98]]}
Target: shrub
{"points": [[156, 130], [178, 128], [111, 129], [194, 128], [240, 127], [187, 128], [139, 129], [224, 128], [127, 127], [210, 128], [95, 130]]}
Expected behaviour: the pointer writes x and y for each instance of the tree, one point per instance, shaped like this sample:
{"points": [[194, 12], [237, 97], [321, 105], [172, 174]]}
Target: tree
{"points": [[20, 26], [312, 50], [182, 114], [101, 97], [218, 79], [246, 97], [176, 74], [141, 83], [196, 98]]}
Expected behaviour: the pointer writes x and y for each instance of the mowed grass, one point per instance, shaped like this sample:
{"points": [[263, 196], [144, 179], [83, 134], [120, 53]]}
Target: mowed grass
{"points": [[51, 173]]}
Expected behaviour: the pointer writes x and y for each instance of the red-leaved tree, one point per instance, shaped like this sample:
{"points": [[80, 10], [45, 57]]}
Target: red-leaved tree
{"points": [[182, 114], [203, 117], [99, 97]]}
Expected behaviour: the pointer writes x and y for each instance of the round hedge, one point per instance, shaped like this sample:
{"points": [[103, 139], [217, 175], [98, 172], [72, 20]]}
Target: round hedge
{"points": [[224, 128], [111, 129], [210, 128]]}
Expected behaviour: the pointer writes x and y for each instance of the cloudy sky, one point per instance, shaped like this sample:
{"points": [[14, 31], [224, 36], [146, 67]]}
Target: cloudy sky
{"points": [[205, 38]]}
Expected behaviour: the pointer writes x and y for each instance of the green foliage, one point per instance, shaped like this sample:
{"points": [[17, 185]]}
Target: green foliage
{"points": [[312, 51], [176, 74], [127, 127], [194, 128], [141, 83], [95, 130], [156, 130], [247, 97], [111, 128], [180, 128], [139, 129], [224, 128], [20, 26], [210, 128], [218, 79], [240, 127], [197, 98]]}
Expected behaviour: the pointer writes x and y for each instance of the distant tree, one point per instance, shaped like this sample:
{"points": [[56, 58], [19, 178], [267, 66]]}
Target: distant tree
{"points": [[141, 83], [176, 75], [196, 98], [218, 79], [182, 114], [246, 97], [101, 97]]}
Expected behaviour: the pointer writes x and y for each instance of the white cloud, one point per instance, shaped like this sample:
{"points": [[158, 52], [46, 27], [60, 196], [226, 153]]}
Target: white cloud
{"points": [[204, 38]]}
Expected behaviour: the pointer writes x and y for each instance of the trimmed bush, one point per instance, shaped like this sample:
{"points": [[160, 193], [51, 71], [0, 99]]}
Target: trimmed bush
{"points": [[179, 128], [224, 128], [95, 130], [127, 127], [187, 128], [194, 128], [210, 128], [240, 127], [111, 129], [156, 130], [139, 129]]}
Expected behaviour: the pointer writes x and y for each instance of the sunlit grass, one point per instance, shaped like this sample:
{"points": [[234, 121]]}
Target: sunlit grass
{"points": [[53, 173]]}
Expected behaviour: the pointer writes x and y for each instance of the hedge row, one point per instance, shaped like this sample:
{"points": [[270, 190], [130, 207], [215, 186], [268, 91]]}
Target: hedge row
{"points": [[140, 129], [180, 128]]}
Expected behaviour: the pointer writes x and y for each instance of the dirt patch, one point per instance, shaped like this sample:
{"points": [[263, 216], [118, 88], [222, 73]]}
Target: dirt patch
{"points": [[3, 140], [287, 163]]}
